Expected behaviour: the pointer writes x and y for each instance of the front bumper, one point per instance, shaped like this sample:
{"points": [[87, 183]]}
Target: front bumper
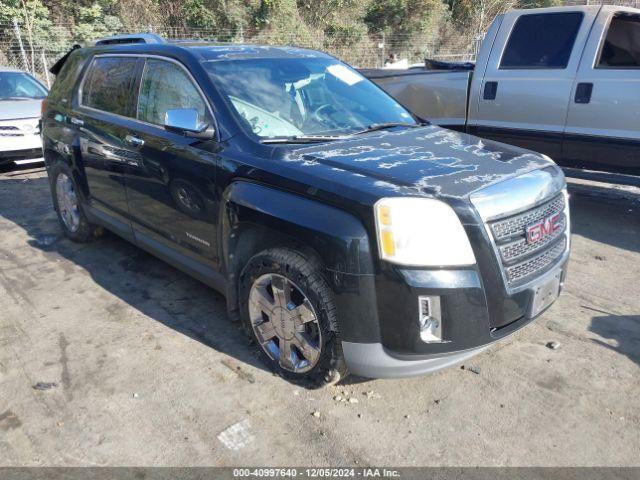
{"points": [[372, 360], [468, 326], [20, 149]]}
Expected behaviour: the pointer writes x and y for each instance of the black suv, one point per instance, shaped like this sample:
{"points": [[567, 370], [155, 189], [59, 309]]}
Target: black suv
{"points": [[346, 234]]}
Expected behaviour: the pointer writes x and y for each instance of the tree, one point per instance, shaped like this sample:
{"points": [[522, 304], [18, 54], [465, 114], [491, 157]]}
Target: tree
{"points": [[37, 31], [403, 17], [475, 16], [93, 22], [538, 3]]}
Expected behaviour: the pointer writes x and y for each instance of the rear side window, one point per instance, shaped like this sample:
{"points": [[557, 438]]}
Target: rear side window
{"points": [[166, 86], [621, 47], [65, 78], [541, 41], [109, 85]]}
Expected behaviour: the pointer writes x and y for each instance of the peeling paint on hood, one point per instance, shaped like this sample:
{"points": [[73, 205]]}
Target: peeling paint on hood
{"points": [[423, 160]]}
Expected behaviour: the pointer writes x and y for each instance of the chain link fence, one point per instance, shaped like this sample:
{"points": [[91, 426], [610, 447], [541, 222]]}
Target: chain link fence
{"points": [[35, 51], [19, 51], [621, 3]]}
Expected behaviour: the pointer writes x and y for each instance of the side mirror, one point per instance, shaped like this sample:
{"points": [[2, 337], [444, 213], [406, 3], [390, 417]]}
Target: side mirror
{"points": [[185, 121]]}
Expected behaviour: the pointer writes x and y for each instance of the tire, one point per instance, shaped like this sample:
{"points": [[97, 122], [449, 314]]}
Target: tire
{"points": [[310, 326], [68, 205]]}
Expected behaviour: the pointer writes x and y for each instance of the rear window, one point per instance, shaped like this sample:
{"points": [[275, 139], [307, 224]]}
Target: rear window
{"points": [[109, 85], [621, 48], [542, 41]]}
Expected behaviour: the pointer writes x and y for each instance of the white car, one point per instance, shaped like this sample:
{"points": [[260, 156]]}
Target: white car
{"points": [[21, 97]]}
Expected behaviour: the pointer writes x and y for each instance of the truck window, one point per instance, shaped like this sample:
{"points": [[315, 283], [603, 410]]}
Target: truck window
{"points": [[542, 40], [621, 48], [109, 84], [166, 86]]}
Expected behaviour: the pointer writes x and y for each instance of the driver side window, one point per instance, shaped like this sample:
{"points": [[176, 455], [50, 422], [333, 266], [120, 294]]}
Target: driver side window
{"points": [[166, 86]]}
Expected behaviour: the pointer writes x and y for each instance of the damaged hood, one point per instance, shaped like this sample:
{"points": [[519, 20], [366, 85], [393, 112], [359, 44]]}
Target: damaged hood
{"points": [[423, 160]]}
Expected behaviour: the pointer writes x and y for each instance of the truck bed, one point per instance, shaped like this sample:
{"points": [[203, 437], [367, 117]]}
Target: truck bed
{"points": [[439, 96]]}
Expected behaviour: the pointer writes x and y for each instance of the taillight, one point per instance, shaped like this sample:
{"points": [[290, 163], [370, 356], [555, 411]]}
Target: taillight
{"points": [[43, 107]]}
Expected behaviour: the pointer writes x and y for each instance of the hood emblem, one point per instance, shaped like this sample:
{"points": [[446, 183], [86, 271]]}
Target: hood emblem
{"points": [[541, 229]]}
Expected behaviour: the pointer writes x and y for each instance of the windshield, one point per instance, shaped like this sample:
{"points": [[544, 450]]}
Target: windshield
{"points": [[19, 86], [295, 97]]}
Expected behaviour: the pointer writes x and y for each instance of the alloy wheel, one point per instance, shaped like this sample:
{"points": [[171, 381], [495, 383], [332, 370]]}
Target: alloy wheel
{"points": [[285, 323], [67, 202]]}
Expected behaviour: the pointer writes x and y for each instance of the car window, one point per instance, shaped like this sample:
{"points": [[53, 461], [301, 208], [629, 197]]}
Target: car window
{"points": [[110, 84], [20, 86], [542, 41], [621, 47], [166, 86], [289, 96]]}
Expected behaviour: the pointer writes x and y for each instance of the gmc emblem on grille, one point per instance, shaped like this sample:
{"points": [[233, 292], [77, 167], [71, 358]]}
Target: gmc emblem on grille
{"points": [[547, 226]]}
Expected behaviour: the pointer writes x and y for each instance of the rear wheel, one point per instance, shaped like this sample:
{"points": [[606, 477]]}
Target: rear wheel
{"points": [[68, 205], [289, 311]]}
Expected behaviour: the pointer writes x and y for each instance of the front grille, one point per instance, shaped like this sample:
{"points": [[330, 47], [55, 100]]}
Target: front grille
{"points": [[10, 131], [538, 263], [515, 225], [519, 248], [16, 155], [522, 261]]}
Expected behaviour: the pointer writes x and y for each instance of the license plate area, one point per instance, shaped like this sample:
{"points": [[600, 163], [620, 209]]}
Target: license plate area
{"points": [[545, 294]]}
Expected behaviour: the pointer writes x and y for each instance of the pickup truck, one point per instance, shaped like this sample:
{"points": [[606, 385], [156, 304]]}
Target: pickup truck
{"points": [[346, 235], [563, 81]]}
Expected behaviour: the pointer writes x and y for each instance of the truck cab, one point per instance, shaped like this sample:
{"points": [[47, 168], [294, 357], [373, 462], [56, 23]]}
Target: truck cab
{"points": [[562, 81]]}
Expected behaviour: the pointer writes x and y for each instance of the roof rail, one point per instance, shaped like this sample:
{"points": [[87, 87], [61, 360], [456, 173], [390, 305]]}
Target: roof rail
{"points": [[131, 38]]}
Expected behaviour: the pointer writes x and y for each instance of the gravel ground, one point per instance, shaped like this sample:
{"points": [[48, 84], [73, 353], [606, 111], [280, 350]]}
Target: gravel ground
{"points": [[139, 365]]}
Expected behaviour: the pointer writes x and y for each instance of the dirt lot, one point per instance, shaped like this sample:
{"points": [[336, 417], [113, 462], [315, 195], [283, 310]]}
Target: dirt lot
{"points": [[148, 370]]}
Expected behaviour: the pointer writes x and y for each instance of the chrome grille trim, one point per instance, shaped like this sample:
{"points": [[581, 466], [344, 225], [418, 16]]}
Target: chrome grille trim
{"points": [[513, 251], [537, 264], [512, 226], [10, 131], [520, 261]]}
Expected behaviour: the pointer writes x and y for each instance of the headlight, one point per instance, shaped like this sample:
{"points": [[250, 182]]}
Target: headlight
{"points": [[421, 232]]}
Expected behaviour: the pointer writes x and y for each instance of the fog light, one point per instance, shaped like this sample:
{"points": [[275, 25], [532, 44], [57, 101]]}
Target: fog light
{"points": [[430, 320]]}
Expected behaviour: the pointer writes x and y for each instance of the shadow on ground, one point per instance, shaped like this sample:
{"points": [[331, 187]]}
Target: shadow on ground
{"points": [[144, 282], [606, 219], [624, 330]]}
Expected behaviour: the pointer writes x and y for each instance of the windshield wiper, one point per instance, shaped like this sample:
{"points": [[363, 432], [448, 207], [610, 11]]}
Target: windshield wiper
{"points": [[304, 139], [15, 98], [324, 138], [382, 126]]}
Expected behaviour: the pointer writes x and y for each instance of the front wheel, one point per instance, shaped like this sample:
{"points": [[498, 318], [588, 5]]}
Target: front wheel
{"points": [[289, 311]]}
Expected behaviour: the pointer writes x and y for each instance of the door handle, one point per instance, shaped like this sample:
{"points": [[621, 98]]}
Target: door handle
{"points": [[490, 90], [583, 92], [134, 141], [76, 121]]}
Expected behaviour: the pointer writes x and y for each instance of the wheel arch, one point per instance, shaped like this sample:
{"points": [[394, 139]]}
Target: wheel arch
{"points": [[59, 152], [257, 217]]}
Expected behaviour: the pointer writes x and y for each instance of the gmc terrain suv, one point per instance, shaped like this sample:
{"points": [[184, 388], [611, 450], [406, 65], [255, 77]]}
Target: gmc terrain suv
{"points": [[346, 234]]}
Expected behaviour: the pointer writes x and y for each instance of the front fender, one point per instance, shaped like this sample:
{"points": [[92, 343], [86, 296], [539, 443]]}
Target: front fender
{"points": [[338, 237], [281, 218]]}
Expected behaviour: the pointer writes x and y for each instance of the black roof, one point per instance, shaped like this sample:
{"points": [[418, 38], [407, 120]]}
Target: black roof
{"points": [[211, 51]]}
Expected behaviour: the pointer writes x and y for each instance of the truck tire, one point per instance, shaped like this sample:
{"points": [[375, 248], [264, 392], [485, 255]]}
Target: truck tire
{"points": [[288, 310], [68, 205]]}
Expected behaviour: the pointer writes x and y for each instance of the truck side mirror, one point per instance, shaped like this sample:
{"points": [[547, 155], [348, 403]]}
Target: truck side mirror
{"points": [[186, 121]]}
